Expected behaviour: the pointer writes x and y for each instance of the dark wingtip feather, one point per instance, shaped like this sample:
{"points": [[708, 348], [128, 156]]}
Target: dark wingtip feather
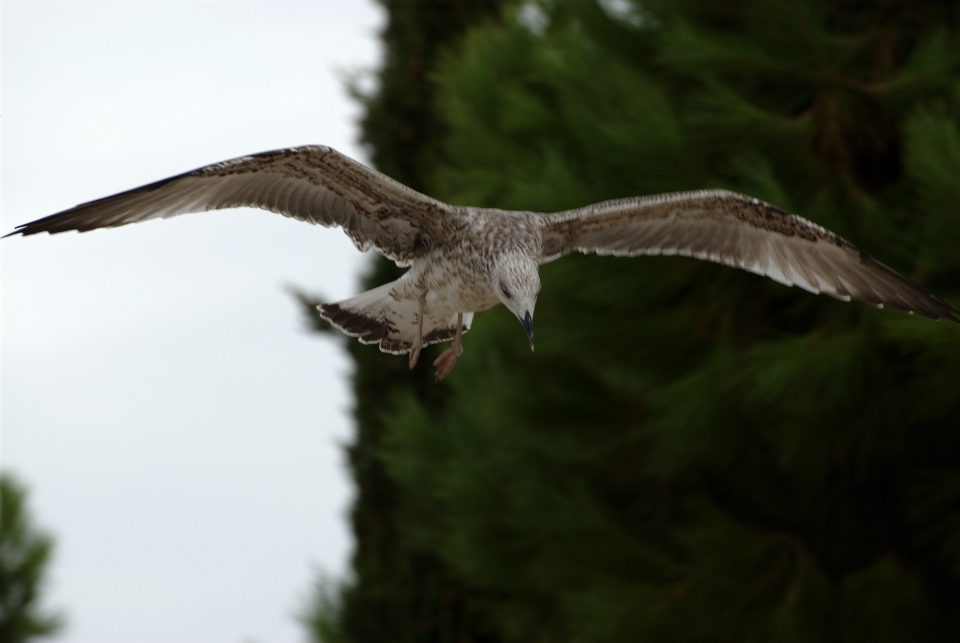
{"points": [[918, 299], [34, 227], [950, 313]]}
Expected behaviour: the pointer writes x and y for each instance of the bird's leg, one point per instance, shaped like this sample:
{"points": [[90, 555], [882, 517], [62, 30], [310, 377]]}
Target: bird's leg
{"points": [[448, 358], [418, 342]]}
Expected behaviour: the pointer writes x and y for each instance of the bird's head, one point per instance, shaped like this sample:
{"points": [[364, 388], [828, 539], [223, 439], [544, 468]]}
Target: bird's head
{"points": [[516, 280]]}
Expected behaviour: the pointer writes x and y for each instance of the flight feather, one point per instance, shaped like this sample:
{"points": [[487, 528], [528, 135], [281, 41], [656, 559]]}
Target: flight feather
{"points": [[742, 232], [315, 184]]}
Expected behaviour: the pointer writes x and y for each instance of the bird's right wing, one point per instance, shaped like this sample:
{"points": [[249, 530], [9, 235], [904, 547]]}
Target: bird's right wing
{"points": [[315, 184], [743, 232]]}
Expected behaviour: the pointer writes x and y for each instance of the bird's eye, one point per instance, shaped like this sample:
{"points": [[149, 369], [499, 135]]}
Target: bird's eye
{"points": [[503, 289]]}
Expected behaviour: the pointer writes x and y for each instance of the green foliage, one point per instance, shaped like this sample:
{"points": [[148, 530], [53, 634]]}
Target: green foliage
{"points": [[398, 593], [693, 453], [24, 554], [321, 612], [400, 124]]}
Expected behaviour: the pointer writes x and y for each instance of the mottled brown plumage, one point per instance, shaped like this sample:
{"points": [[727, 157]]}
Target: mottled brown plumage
{"points": [[464, 260]]}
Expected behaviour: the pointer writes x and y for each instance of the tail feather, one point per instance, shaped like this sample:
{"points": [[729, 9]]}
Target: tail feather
{"points": [[367, 329], [377, 316], [363, 316]]}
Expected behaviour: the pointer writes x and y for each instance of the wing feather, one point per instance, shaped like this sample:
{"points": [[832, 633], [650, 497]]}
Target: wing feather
{"points": [[739, 231], [314, 184]]}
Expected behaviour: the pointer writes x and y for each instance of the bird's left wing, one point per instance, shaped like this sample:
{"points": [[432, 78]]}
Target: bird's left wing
{"points": [[742, 232], [315, 184]]}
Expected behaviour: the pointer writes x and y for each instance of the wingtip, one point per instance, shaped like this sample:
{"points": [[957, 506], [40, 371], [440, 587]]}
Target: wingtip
{"points": [[27, 230], [943, 311], [946, 311], [952, 315], [20, 229]]}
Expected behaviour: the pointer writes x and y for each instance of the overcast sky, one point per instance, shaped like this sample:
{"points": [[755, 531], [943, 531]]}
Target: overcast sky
{"points": [[179, 430]]}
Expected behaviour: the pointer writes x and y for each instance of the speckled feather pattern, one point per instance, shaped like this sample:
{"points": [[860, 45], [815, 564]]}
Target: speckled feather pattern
{"points": [[741, 232], [465, 260]]}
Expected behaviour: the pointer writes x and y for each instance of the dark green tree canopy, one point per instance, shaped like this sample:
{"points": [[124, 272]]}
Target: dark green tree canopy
{"points": [[24, 555], [693, 453]]}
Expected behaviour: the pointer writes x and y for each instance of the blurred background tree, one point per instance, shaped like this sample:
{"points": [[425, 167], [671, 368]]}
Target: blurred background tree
{"points": [[401, 592], [693, 453], [24, 554]]}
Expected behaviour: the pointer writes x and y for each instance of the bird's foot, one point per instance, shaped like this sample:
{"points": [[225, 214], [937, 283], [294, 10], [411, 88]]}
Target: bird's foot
{"points": [[447, 360], [415, 354], [418, 344]]}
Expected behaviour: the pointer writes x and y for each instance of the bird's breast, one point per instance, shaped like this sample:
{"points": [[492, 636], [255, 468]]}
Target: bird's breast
{"points": [[455, 286]]}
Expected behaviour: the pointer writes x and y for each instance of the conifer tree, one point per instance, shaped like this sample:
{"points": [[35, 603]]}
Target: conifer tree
{"points": [[24, 554], [693, 452], [398, 593]]}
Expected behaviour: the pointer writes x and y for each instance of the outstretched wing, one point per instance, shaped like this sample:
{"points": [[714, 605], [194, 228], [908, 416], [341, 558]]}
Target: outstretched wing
{"points": [[315, 184], [742, 232]]}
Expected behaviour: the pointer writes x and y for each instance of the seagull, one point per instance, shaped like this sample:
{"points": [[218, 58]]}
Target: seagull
{"points": [[464, 260]]}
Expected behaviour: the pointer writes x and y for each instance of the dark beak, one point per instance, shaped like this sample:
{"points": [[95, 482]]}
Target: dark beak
{"points": [[527, 322]]}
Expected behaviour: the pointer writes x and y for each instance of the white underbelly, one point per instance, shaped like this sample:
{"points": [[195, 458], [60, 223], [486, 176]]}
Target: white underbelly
{"points": [[452, 289]]}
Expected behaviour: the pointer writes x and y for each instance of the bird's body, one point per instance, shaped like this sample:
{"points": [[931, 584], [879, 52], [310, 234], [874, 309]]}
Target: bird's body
{"points": [[452, 278], [465, 260]]}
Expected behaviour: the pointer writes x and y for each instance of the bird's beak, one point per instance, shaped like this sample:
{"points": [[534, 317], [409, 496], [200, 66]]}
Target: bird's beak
{"points": [[527, 322]]}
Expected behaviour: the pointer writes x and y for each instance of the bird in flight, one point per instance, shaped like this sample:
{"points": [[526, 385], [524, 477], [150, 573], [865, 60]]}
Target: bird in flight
{"points": [[464, 260]]}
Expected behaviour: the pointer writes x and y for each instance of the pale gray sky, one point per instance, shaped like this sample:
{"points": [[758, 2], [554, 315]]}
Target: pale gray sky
{"points": [[178, 428]]}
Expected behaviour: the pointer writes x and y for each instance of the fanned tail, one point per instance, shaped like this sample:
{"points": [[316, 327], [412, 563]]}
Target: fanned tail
{"points": [[363, 316], [378, 317]]}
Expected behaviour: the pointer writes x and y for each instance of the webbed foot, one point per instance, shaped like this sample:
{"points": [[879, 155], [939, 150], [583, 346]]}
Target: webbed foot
{"points": [[445, 363], [418, 344], [448, 358], [414, 355]]}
